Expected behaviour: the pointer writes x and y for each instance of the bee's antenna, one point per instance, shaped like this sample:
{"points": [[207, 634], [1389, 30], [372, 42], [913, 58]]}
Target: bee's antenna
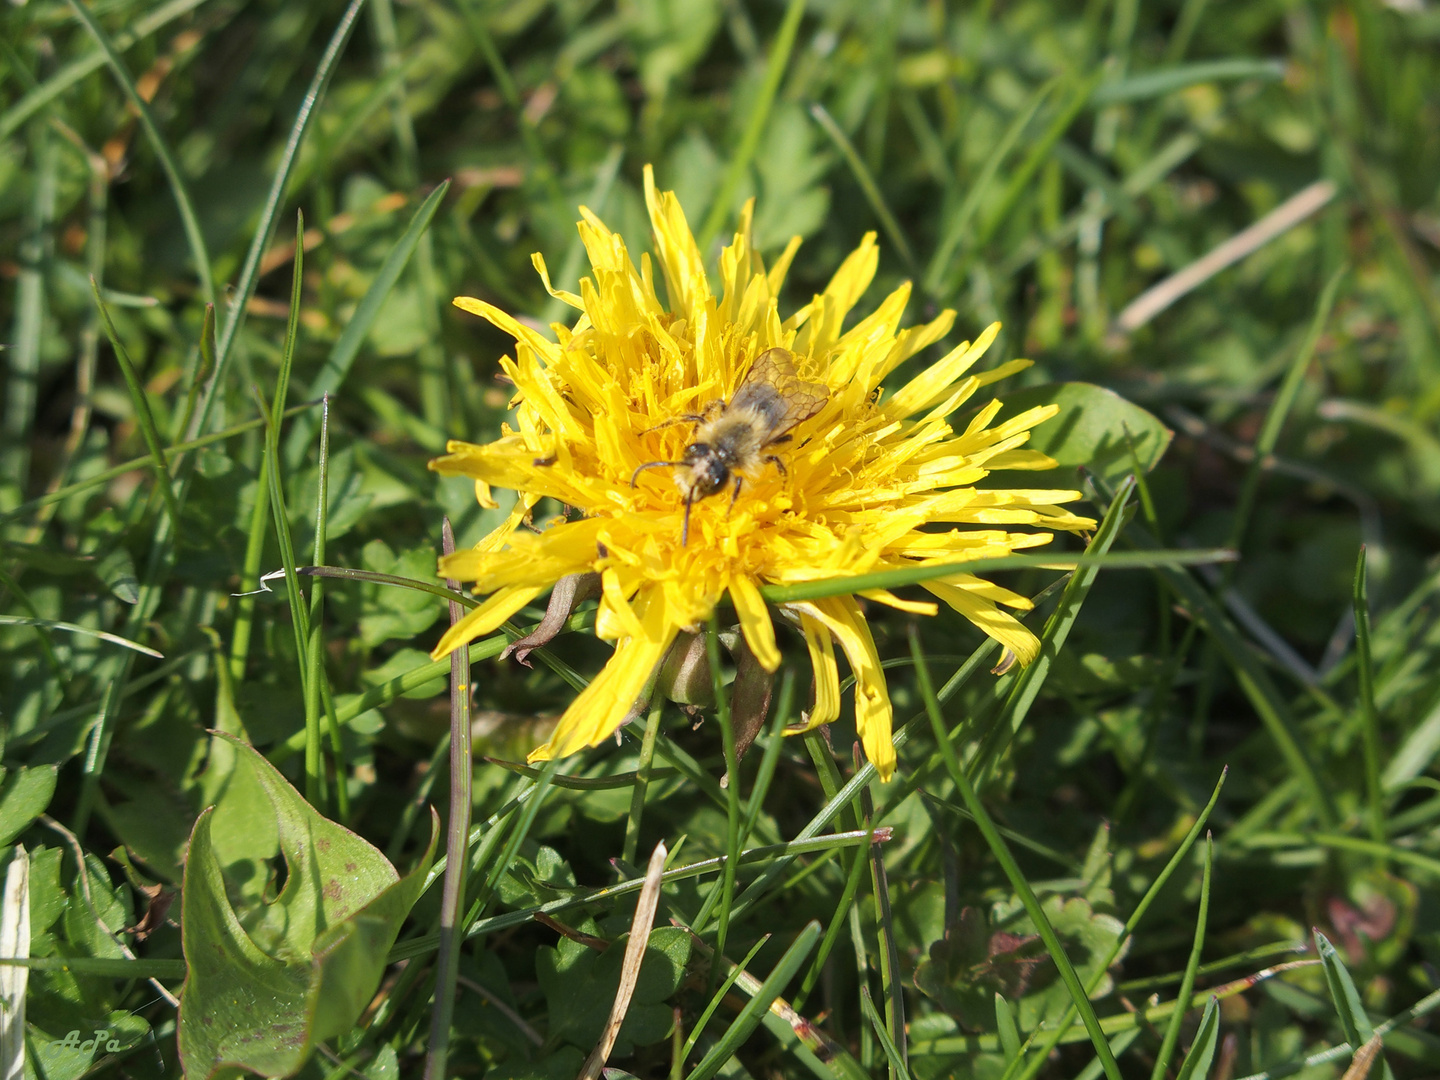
{"points": [[650, 465]]}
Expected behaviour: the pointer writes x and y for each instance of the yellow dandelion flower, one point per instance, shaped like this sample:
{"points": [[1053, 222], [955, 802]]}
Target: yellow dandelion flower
{"points": [[861, 482]]}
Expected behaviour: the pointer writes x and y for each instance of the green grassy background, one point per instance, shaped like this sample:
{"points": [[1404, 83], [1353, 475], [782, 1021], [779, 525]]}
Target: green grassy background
{"points": [[1037, 162]]}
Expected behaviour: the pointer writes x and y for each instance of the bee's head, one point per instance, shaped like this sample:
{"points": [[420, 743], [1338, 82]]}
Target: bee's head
{"points": [[708, 470]]}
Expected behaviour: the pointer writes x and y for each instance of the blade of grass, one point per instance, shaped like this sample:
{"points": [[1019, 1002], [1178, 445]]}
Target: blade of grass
{"points": [[84, 631], [318, 697], [954, 226], [824, 1057], [270, 215], [755, 1009], [642, 782], [868, 187], [1257, 686], [447, 962], [744, 154], [189, 222], [732, 794], [105, 476], [144, 418], [1007, 1031], [23, 356], [769, 852], [1167, 80], [299, 617], [898, 1069], [893, 1040], [771, 758], [1078, 995], [736, 970], [1187, 983], [1279, 410], [1026, 687], [1349, 1006], [332, 373], [1202, 1050], [1369, 722], [838, 921], [912, 575], [1023, 177], [1309, 200]]}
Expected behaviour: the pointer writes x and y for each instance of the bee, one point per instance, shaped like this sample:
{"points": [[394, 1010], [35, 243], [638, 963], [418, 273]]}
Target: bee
{"points": [[732, 438]]}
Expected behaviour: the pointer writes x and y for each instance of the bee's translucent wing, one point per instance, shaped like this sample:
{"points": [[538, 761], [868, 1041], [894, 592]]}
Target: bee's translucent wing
{"points": [[774, 389]]}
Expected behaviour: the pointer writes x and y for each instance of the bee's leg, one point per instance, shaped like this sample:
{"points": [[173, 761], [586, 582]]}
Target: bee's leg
{"points": [[773, 460], [685, 527], [687, 418], [735, 494]]}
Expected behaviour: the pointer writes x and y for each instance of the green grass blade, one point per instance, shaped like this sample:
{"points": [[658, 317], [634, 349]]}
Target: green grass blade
{"points": [[760, 855], [838, 922], [888, 951], [1022, 178], [1389, 852], [755, 802], [299, 617], [1057, 629], [1280, 409], [1167, 80], [1202, 1050], [956, 224], [736, 970], [1078, 995], [318, 697], [643, 774], [1187, 984], [898, 1068], [22, 357], [337, 365], [866, 180], [83, 631], [913, 575], [744, 154], [462, 767], [1349, 1006], [143, 416], [732, 794], [188, 219], [755, 1009], [105, 476], [1365, 703], [270, 215], [1257, 686]]}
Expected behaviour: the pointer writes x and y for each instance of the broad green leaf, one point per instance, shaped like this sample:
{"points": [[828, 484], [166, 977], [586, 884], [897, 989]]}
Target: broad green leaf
{"points": [[390, 612], [264, 986], [1095, 428], [580, 983], [23, 798]]}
